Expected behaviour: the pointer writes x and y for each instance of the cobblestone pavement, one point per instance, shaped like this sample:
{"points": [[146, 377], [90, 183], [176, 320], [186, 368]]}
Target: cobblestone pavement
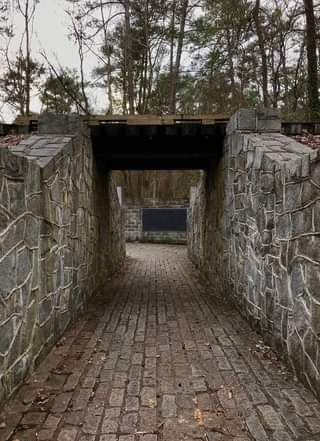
{"points": [[159, 357]]}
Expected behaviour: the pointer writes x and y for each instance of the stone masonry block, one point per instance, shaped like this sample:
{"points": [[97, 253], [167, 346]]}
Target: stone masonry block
{"points": [[315, 317], [244, 119], [50, 123], [268, 120], [255, 120]]}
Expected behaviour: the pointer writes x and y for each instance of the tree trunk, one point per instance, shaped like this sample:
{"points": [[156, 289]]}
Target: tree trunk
{"points": [[109, 79], [109, 67], [146, 57], [128, 57], [172, 40], [231, 66], [311, 43], [176, 67], [295, 88], [257, 21], [28, 80]]}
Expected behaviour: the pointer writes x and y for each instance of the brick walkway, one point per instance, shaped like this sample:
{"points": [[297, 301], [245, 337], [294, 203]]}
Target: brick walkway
{"points": [[159, 357]]}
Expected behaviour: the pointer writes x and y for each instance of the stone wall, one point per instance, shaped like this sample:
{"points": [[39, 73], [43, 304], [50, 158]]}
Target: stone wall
{"points": [[133, 223], [255, 232], [166, 237], [60, 237], [134, 228]]}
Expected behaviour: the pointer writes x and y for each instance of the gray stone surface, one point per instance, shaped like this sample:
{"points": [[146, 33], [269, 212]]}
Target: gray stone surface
{"points": [[61, 235], [255, 120], [51, 123], [254, 231]]}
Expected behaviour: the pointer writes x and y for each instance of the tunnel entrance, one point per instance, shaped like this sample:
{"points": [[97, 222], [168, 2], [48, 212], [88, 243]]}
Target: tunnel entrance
{"points": [[158, 143], [254, 224], [156, 204], [154, 143]]}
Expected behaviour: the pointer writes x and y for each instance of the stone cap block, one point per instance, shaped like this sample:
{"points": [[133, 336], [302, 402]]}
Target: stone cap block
{"points": [[255, 120], [55, 124], [268, 120], [243, 119]]}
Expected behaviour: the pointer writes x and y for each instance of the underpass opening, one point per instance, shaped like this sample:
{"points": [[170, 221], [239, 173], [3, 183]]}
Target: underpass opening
{"points": [[253, 225], [138, 147], [157, 143], [156, 204]]}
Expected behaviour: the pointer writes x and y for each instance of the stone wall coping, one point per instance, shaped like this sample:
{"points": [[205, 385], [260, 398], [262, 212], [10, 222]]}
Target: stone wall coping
{"points": [[41, 148], [255, 120], [182, 204]]}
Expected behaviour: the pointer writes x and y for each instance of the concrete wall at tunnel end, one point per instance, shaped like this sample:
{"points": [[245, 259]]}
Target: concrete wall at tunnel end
{"points": [[61, 235], [255, 233]]}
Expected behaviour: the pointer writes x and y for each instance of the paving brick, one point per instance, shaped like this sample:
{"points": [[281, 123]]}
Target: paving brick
{"points": [[148, 437], [103, 391], [137, 358], [298, 403], [88, 382], [169, 407], [72, 382], [91, 423], [271, 417], [148, 420], [256, 429], [45, 434], [108, 438], [132, 403], [61, 402], [129, 422], [111, 420], [148, 396], [67, 435], [120, 379], [116, 397], [33, 418], [172, 361], [52, 421], [26, 435], [73, 418]]}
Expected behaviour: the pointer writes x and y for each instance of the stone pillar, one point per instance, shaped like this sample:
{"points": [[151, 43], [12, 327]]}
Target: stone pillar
{"points": [[119, 192], [193, 191]]}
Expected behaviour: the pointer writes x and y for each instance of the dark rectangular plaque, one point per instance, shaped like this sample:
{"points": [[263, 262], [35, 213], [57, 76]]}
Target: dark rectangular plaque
{"points": [[164, 219]]}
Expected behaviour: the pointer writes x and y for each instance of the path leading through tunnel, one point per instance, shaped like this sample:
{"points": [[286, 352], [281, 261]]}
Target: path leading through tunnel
{"points": [[159, 356]]}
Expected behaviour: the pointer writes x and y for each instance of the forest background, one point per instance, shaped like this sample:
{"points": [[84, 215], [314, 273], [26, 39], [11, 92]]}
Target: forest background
{"points": [[159, 57]]}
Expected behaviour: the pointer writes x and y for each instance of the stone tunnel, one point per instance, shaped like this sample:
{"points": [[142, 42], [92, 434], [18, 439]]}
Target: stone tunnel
{"points": [[254, 233]]}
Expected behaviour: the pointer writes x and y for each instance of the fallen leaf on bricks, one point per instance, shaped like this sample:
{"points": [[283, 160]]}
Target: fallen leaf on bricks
{"points": [[219, 412], [41, 398], [61, 342], [152, 404], [198, 416]]}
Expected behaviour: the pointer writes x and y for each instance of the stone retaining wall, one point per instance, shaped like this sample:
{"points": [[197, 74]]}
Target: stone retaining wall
{"points": [[255, 232], [60, 237], [134, 229], [166, 237], [133, 223]]}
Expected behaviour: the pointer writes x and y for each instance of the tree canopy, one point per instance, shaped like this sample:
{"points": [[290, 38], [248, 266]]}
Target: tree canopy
{"points": [[168, 56]]}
